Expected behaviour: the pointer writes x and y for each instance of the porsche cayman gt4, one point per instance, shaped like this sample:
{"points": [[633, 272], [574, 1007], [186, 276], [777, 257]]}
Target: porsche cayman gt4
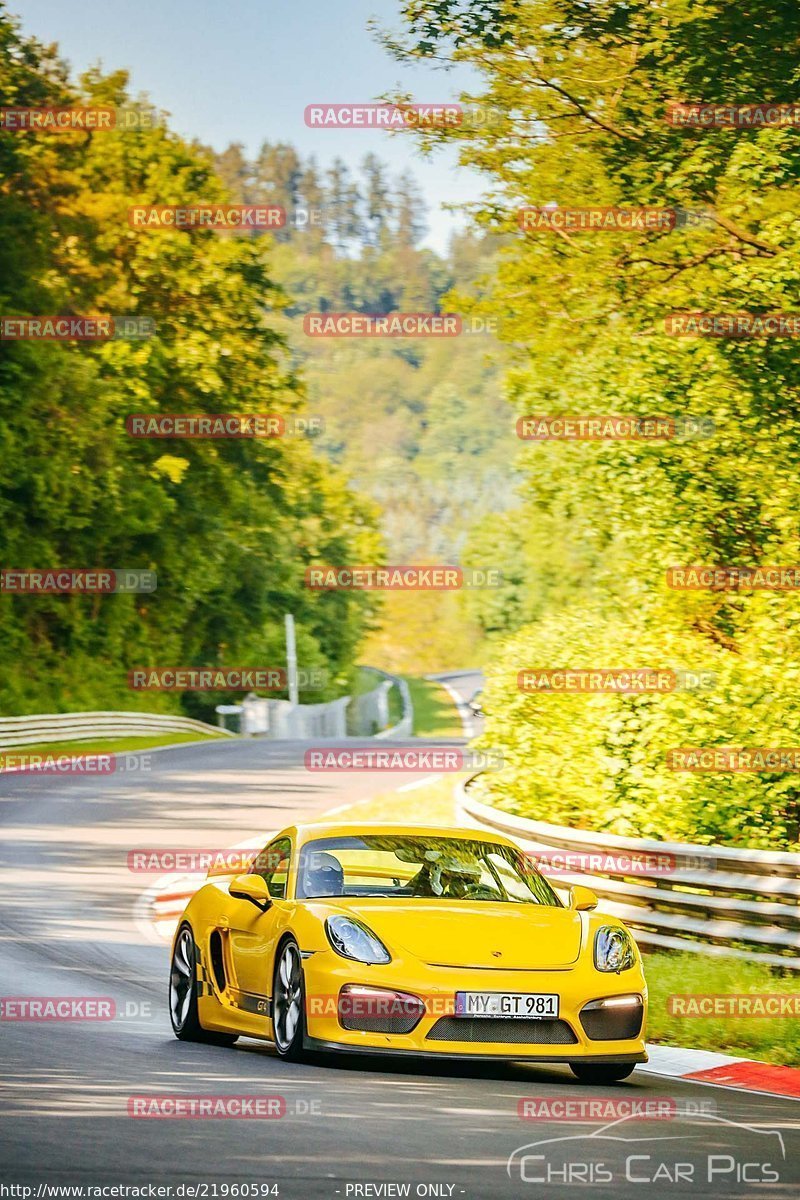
{"points": [[392, 939]]}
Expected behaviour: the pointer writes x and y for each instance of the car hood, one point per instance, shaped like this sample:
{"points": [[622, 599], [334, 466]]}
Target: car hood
{"points": [[481, 934]]}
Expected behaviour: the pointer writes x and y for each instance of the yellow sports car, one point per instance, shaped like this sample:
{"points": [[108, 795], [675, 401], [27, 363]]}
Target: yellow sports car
{"points": [[392, 939]]}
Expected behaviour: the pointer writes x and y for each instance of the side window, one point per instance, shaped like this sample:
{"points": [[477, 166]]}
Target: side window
{"points": [[515, 888], [272, 865]]}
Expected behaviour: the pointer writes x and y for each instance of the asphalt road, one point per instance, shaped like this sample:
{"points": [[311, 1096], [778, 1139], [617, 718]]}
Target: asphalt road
{"points": [[71, 926]]}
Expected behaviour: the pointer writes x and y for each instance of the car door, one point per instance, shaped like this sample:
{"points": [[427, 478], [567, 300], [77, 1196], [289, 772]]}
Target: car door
{"points": [[253, 933]]}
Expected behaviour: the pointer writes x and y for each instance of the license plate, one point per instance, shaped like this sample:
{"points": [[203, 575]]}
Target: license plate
{"points": [[507, 1004]]}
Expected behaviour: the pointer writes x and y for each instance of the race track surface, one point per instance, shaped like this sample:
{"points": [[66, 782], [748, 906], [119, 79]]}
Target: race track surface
{"points": [[74, 924]]}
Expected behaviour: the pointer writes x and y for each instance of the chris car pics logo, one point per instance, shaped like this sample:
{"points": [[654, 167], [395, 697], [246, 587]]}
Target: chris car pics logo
{"points": [[710, 1150]]}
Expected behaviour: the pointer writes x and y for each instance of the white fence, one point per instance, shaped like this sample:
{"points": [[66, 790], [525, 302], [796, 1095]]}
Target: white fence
{"points": [[365, 715], [282, 719], [89, 726], [405, 726], [676, 896], [368, 713]]}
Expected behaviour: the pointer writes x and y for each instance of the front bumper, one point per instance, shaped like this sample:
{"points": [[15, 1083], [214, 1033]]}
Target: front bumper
{"points": [[311, 1043], [436, 1034]]}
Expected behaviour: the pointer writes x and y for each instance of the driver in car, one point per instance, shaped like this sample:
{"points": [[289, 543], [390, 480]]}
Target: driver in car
{"points": [[324, 875], [446, 878]]}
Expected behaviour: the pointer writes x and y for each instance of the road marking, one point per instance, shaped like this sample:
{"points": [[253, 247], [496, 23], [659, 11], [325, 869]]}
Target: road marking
{"points": [[331, 812], [426, 779], [464, 711]]}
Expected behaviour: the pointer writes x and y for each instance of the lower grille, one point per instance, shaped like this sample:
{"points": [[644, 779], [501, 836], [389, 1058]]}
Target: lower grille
{"points": [[513, 1031], [379, 1024]]}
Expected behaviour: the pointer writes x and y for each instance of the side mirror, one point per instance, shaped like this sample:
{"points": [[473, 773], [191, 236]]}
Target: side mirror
{"points": [[582, 899], [252, 888]]}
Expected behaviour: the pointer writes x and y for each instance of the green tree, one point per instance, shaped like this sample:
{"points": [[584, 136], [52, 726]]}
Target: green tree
{"points": [[229, 526], [578, 96]]}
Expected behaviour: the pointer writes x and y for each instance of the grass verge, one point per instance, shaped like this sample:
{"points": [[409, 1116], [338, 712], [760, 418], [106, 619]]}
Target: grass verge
{"points": [[431, 804], [435, 714], [106, 746], [771, 1039]]}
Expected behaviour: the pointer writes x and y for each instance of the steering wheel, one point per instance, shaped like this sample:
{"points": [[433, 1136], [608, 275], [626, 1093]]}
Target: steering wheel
{"points": [[482, 891]]}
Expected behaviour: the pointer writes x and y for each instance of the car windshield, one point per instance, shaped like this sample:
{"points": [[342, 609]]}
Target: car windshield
{"points": [[433, 868]]}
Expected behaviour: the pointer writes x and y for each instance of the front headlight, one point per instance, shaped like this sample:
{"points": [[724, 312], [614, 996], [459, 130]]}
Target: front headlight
{"points": [[613, 949], [353, 940]]}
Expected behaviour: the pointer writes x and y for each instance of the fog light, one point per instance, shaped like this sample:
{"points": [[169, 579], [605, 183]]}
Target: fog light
{"points": [[378, 1010]]}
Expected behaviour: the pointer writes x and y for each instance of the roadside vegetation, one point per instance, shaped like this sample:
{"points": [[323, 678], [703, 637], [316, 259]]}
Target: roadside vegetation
{"points": [[228, 526], [580, 97]]}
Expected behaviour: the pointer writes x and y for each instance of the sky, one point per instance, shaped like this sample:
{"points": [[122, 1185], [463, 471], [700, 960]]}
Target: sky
{"points": [[244, 70]]}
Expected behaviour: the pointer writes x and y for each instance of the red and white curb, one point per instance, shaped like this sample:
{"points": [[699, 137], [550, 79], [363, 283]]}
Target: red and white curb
{"points": [[159, 907], [722, 1070]]}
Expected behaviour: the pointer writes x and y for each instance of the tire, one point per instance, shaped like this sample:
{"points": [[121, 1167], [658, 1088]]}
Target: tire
{"points": [[289, 1003], [183, 995], [589, 1072]]}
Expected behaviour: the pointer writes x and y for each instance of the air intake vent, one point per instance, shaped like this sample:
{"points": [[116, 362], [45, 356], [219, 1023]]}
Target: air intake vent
{"points": [[513, 1031], [612, 1023]]}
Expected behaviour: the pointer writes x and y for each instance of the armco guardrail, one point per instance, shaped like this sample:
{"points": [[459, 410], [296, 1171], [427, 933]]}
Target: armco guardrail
{"points": [[86, 726], [405, 726], [680, 896]]}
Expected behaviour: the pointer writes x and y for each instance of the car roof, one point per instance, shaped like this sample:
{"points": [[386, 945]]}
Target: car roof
{"points": [[324, 829]]}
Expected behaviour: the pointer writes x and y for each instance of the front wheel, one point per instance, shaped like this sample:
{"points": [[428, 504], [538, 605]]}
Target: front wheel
{"points": [[183, 995], [288, 1003], [589, 1072]]}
